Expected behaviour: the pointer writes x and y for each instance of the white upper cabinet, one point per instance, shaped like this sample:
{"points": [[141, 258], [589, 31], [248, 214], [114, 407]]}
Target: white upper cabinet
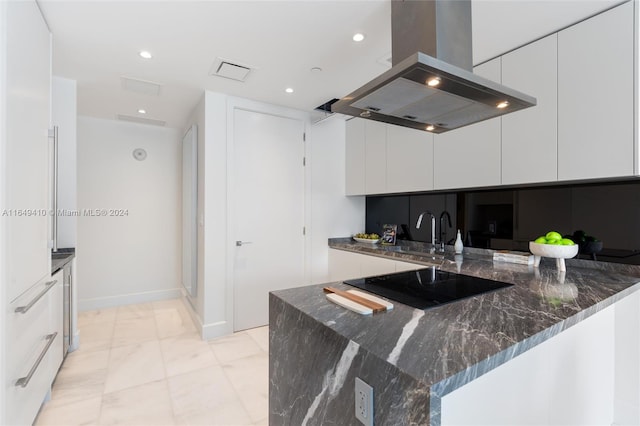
{"points": [[582, 127], [470, 156], [409, 159], [375, 138], [28, 80], [384, 158], [596, 97], [354, 157], [529, 137]]}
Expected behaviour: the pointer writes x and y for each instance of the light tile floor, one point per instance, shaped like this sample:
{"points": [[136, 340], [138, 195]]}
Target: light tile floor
{"points": [[144, 365]]}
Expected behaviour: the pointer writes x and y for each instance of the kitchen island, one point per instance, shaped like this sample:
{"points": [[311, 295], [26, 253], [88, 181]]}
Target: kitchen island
{"points": [[421, 362]]}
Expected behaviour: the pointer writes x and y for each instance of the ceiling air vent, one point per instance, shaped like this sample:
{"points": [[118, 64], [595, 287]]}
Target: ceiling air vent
{"points": [[141, 86], [323, 111], [141, 120], [227, 69]]}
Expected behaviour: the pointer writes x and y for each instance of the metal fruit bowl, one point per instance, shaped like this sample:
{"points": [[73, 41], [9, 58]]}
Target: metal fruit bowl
{"points": [[558, 252]]}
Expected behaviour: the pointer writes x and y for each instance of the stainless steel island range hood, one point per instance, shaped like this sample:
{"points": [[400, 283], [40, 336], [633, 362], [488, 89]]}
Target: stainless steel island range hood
{"points": [[431, 85]]}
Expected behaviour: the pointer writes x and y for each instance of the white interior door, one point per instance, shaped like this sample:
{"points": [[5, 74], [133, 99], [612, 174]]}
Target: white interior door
{"points": [[269, 212]]}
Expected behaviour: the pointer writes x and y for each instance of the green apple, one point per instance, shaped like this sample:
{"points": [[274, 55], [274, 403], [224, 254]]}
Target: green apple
{"points": [[555, 242], [541, 240], [552, 235], [566, 242]]}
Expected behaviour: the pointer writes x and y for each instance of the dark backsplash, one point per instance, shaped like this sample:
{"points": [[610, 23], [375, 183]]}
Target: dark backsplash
{"points": [[510, 218]]}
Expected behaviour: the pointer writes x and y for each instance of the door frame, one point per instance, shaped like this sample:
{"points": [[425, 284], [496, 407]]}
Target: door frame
{"points": [[234, 104]]}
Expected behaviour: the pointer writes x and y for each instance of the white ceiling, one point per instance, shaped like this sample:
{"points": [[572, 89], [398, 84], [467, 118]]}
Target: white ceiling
{"points": [[97, 42]]}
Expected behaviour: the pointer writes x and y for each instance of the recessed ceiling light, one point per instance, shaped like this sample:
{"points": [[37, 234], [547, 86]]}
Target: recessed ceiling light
{"points": [[146, 55], [316, 69], [503, 104], [358, 37], [288, 90], [142, 111], [365, 114], [433, 81], [430, 128]]}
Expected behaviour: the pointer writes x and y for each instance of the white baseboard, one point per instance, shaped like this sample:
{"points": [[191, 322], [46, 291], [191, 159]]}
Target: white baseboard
{"points": [[216, 329], [75, 342], [127, 299], [207, 331]]}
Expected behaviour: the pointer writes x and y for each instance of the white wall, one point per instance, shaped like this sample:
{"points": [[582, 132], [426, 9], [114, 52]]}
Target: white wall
{"points": [[332, 213], [216, 272], [213, 302], [218, 296], [198, 118], [4, 236], [133, 258], [328, 212], [63, 115]]}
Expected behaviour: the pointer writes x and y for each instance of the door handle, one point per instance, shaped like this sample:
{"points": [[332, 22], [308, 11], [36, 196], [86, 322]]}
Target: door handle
{"points": [[241, 243], [25, 308], [24, 381]]}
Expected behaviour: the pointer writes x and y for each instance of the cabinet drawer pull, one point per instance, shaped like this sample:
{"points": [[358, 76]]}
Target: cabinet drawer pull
{"points": [[24, 381], [25, 308]]}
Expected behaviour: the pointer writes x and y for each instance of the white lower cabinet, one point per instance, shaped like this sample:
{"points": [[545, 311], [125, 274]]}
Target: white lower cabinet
{"points": [[345, 265], [406, 266], [56, 322], [371, 265], [35, 352]]}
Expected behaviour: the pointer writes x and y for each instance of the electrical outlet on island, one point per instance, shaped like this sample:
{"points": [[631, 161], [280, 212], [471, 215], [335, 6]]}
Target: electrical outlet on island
{"points": [[364, 402]]}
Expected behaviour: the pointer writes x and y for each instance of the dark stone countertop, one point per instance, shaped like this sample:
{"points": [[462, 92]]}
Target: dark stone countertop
{"points": [[61, 258], [448, 346]]}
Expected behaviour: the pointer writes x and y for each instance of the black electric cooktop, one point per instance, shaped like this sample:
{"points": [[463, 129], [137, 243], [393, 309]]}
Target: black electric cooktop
{"points": [[426, 288]]}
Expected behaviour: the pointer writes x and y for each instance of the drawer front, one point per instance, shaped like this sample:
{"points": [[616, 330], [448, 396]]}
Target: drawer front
{"points": [[31, 346], [28, 385], [56, 305]]}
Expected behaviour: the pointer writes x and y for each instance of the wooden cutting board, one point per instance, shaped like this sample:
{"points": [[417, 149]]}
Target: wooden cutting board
{"points": [[358, 301]]}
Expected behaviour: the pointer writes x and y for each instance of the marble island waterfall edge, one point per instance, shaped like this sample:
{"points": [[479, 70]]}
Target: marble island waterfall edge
{"points": [[413, 357]]}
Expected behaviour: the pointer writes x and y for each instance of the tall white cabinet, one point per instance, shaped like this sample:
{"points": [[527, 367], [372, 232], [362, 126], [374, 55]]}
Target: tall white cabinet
{"points": [[31, 335], [64, 117], [27, 151], [470, 156]]}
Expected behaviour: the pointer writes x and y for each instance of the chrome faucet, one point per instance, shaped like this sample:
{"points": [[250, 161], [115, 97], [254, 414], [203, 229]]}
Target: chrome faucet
{"points": [[443, 230], [433, 225]]}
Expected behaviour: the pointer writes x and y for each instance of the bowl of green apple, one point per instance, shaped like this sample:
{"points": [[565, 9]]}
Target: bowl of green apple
{"points": [[552, 245]]}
